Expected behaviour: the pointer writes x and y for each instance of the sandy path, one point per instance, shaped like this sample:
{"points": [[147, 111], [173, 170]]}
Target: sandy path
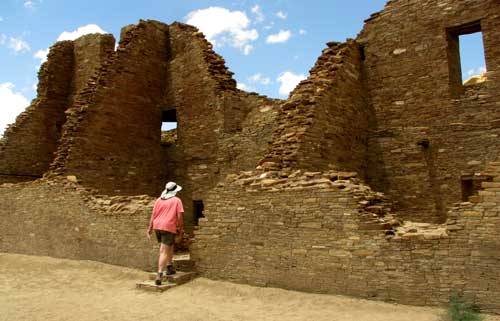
{"points": [[43, 288]]}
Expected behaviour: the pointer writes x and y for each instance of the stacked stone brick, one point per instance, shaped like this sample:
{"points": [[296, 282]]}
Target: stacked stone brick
{"points": [[310, 132], [408, 76], [353, 185], [319, 233], [27, 146]]}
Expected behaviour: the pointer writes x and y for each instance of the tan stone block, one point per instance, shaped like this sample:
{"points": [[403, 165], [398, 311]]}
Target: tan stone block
{"points": [[490, 184], [271, 182], [311, 225], [72, 178], [299, 251], [340, 253], [472, 214], [363, 253]]}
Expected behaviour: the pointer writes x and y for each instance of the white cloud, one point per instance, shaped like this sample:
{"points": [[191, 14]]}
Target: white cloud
{"points": [[258, 78], [288, 82], [30, 4], [478, 71], [1, 19], [247, 49], [80, 31], [281, 36], [302, 32], [259, 16], [244, 87], [18, 44], [13, 103], [42, 55], [222, 26], [3, 39], [280, 14], [69, 35]]}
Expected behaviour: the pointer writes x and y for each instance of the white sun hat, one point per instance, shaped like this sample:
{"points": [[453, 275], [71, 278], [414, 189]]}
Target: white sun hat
{"points": [[171, 189]]}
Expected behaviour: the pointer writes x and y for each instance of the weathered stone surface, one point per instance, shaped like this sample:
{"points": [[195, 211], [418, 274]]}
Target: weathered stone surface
{"points": [[378, 177], [28, 146], [103, 112], [410, 76]]}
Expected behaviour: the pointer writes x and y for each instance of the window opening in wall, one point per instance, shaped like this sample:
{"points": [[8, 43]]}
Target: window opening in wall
{"points": [[467, 189], [197, 211], [472, 60], [168, 127], [465, 56], [471, 185]]}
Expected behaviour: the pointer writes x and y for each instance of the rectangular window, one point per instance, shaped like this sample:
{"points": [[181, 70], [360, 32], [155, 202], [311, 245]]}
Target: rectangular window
{"points": [[472, 60], [168, 127], [465, 55]]}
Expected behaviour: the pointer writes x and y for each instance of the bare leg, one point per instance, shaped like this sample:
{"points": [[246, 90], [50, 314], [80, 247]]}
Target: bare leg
{"points": [[163, 258], [170, 254]]}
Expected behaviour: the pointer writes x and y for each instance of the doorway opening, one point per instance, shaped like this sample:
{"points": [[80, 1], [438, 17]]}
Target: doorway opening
{"points": [[198, 208]]}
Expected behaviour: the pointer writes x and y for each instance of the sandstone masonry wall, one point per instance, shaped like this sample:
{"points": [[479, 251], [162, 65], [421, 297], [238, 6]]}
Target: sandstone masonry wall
{"points": [[338, 136], [112, 137], [216, 130], [61, 219], [409, 78], [324, 123], [282, 182], [329, 233], [90, 52], [28, 146]]}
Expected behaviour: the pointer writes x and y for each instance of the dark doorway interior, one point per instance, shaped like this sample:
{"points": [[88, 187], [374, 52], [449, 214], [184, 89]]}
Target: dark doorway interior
{"points": [[197, 211], [471, 185]]}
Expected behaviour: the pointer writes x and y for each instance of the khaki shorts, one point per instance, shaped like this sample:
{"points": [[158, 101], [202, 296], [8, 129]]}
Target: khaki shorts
{"points": [[165, 237]]}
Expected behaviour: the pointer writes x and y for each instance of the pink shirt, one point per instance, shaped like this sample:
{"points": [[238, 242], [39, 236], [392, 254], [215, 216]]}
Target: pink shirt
{"points": [[167, 214]]}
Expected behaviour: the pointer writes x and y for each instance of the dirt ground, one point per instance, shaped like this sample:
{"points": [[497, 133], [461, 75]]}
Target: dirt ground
{"points": [[42, 288]]}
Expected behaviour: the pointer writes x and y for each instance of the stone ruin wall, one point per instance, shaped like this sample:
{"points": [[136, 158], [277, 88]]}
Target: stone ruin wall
{"points": [[27, 147], [408, 83], [111, 140], [323, 124], [327, 232], [110, 114], [313, 231], [59, 218], [217, 130], [80, 221], [323, 231]]}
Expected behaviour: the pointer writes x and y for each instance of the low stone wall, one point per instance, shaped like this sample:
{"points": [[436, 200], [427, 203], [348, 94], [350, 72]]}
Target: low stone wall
{"points": [[328, 233], [312, 231], [61, 219]]}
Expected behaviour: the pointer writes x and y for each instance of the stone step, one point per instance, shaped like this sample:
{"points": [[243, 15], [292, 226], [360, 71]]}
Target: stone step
{"points": [[178, 278], [168, 281], [185, 273], [183, 262], [151, 286]]}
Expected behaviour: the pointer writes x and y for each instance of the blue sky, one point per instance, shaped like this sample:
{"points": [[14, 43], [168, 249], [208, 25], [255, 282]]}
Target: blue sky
{"points": [[269, 45]]}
